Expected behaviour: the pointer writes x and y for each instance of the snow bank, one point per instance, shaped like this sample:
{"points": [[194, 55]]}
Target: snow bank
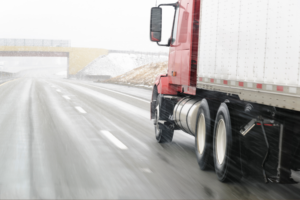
{"points": [[115, 64]]}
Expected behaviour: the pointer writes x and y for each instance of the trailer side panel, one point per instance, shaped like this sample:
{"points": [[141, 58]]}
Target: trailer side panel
{"points": [[252, 49]]}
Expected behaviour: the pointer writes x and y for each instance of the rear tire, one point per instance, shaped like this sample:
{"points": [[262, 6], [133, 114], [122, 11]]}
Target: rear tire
{"points": [[162, 134], [203, 137], [225, 147]]}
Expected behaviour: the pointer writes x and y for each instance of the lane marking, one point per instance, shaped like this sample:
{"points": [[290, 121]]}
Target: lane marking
{"points": [[147, 170], [66, 97], [8, 82], [58, 90], [114, 140], [118, 93], [79, 109]]}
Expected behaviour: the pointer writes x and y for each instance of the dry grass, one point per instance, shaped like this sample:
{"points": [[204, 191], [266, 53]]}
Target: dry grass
{"points": [[144, 75]]}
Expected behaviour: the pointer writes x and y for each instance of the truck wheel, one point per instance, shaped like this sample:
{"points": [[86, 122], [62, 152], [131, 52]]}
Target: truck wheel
{"points": [[225, 147], [162, 134], [203, 139]]}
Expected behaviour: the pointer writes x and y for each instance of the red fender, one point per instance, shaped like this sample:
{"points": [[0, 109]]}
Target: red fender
{"points": [[162, 86]]}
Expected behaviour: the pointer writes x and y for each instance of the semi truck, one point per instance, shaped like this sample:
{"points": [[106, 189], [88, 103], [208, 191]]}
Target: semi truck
{"points": [[233, 82]]}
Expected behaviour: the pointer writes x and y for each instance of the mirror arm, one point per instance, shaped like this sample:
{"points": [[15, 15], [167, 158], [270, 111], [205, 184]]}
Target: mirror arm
{"points": [[170, 4], [165, 45]]}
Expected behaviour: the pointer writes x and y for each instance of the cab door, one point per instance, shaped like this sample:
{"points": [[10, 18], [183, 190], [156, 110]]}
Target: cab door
{"points": [[179, 59]]}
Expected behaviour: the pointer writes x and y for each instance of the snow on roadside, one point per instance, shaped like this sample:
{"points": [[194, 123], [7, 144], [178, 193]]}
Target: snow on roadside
{"points": [[141, 76], [115, 64], [62, 73]]}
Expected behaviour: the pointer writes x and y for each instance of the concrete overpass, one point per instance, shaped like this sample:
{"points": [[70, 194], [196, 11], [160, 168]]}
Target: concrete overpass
{"points": [[78, 58]]}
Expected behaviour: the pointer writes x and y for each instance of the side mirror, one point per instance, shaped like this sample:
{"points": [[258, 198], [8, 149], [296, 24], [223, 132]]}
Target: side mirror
{"points": [[155, 24]]}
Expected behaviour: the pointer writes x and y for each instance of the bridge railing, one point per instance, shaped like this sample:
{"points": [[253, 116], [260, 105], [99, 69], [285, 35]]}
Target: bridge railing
{"points": [[140, 52], [35, 42]]}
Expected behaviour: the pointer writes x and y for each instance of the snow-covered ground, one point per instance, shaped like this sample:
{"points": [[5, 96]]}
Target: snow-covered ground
{"points": [[141, 76], [62, 74], [115, 64]]}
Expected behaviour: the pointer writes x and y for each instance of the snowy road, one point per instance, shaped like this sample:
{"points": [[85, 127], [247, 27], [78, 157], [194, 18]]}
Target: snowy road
{"points": [[68, 139]]}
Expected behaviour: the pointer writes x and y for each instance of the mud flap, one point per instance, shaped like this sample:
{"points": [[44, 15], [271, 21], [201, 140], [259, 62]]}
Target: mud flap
{"points": [[286, 150], [152, 108]]}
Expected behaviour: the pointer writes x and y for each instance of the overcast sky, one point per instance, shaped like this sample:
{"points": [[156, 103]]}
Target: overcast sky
{"points": [[110, 24]]}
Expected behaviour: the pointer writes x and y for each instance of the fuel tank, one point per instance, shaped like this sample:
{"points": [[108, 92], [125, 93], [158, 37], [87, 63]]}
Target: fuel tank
{"points": [[185, 114]]}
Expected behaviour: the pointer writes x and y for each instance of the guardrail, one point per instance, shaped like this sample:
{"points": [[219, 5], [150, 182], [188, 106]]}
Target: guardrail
{"points": [[140, 52], [6, 75]]}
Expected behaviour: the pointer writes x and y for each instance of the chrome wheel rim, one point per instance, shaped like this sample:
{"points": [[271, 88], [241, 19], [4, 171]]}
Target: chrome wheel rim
{"points": [[201, 134], [221, 141]]}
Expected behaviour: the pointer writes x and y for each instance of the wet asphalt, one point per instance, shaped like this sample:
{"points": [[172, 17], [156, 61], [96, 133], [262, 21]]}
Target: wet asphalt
{"points": [[68, 139]]}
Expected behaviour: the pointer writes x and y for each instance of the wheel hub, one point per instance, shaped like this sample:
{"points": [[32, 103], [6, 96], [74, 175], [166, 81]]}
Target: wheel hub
{"points": [[201, 133], [221, 141]]}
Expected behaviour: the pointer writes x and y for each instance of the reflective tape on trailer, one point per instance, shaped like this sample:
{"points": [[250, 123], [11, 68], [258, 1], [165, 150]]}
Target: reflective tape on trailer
{"points": [[250, 85]]}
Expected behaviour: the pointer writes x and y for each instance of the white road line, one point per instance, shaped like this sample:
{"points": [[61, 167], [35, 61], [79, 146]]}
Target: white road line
{"points": [[119, 93], [79, 109], [58, 90], [66, 97], [114, 140], [8, 82], [147, 170]]}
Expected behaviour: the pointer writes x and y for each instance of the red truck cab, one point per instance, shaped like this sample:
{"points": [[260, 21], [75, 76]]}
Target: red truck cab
{"points": [[182, 66]]}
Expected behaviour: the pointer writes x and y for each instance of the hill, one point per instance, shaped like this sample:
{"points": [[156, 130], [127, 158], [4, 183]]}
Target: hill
{"points": [[141, 76], [115, 64]]}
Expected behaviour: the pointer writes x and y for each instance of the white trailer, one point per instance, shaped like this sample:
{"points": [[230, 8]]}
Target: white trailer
{"points": [[252, 49]]}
